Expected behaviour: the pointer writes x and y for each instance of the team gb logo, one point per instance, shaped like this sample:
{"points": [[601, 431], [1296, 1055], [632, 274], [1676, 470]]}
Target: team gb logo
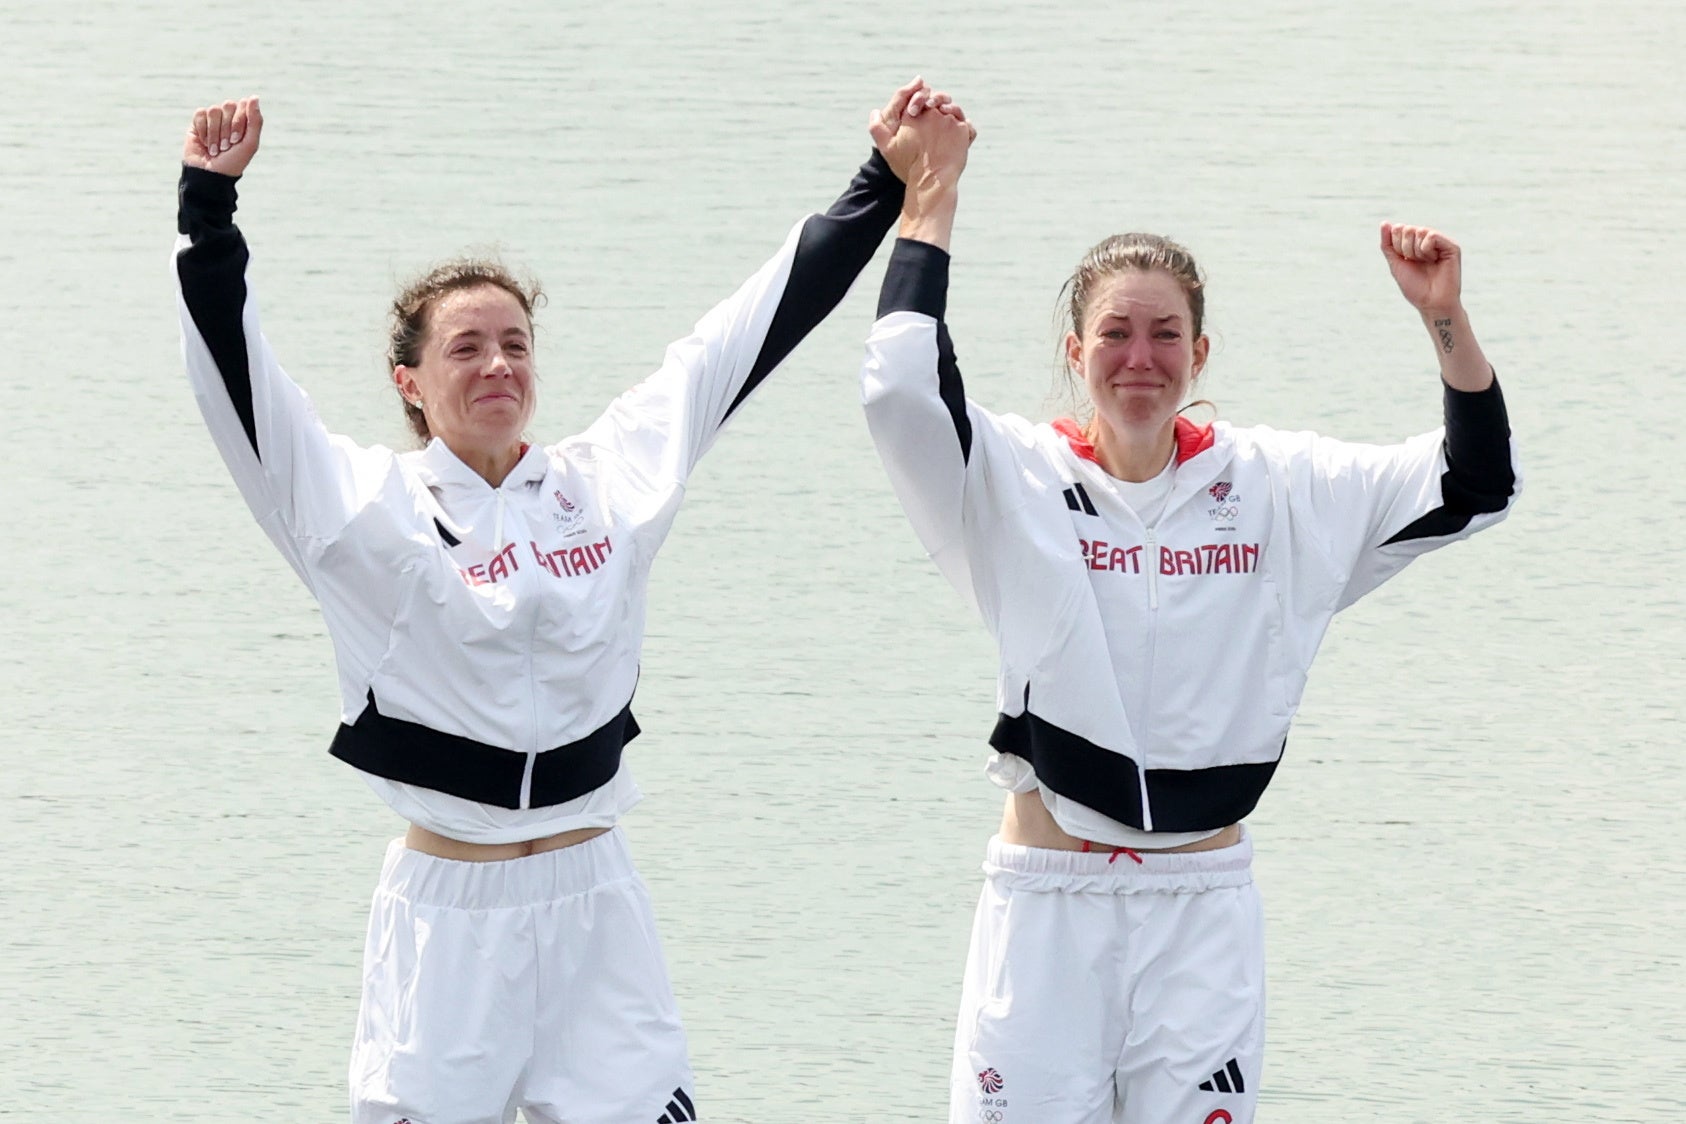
{"points": [[1228, 502], [567, 515]]}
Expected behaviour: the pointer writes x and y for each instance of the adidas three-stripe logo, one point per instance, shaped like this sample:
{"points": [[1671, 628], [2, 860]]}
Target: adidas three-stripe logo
{"points": [[1226, 1080], [679, 1109], [1078, 500]]}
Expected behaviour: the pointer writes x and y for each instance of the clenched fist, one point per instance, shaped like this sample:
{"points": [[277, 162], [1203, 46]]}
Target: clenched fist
{"points": [[223, 138]]}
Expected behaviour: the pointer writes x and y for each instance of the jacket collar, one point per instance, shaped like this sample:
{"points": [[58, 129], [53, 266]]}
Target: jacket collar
{"points": [[438, 467], [1191, 439]]}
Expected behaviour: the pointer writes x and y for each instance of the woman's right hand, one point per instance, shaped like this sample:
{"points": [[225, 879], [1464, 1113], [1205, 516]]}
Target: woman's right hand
{"points": [[922, 131], [223, 138], [925, 144]]}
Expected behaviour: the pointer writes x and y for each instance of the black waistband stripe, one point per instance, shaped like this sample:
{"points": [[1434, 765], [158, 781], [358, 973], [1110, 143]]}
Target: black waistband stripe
{"points": [[415, 754], [1110, 783]]}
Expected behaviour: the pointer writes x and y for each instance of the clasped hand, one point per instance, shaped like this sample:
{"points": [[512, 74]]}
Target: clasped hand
{"points": [[923, 135]]}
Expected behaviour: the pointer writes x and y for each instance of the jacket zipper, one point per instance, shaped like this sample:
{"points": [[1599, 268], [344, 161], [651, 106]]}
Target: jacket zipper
{"points": [[532, 687], [1150, 562]]}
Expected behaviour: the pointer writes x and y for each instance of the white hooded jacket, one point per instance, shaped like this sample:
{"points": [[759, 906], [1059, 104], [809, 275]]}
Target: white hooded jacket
{"points": [[488, 638], [1150, 673]]}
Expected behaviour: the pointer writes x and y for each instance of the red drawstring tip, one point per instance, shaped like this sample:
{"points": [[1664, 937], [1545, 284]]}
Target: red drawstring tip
{"points": [[1116, 851]]}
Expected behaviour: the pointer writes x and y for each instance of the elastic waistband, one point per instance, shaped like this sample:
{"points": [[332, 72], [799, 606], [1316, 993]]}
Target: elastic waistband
{"points": [[1121, 872], [548, 876]]}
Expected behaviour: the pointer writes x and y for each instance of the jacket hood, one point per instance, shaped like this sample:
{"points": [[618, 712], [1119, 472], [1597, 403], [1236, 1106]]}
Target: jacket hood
{"points": [[438, 467], [1191, 439]]}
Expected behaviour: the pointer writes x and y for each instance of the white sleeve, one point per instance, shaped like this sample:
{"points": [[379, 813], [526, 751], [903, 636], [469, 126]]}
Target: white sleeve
{"points": [[300, 482], [953, 465], [1377, 507]]}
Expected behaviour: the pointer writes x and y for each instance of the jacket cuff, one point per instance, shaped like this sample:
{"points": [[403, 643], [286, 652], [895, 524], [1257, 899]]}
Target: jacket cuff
{"points": [[1478, 439], [878, 168], [916, 280], [204, 199]]}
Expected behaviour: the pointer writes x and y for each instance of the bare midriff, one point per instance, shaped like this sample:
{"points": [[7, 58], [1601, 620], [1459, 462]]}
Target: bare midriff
{"points": [[1027, 822], [444, 847]]}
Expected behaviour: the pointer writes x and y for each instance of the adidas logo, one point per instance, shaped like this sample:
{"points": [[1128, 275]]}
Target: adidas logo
{"points": [[1226, 1080], [679, 1109], [1078, 500]]}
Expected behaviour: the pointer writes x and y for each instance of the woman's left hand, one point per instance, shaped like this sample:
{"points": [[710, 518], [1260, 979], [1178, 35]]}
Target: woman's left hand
{"points": [[223, 138], [1427, 266]]}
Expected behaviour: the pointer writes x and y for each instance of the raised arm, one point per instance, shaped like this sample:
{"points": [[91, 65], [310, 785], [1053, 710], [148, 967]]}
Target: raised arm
{"points": [[1480, 474], [298, 480], [211, 255], [666, 423], [928, 156], [1390, 504], [1428, 268], [911, 387]]}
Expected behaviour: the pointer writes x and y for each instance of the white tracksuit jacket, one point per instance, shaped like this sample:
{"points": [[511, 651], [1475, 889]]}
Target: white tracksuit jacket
{"points": [[1150, 673], [488, 639]]}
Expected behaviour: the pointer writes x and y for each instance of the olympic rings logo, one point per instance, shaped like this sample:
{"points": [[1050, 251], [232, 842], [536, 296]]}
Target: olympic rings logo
{"points": [[1223, 512], [990, 1116]]}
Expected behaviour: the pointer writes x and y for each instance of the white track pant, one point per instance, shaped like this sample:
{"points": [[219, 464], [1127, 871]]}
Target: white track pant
{"points": [[1105, 990], [535, 983]]}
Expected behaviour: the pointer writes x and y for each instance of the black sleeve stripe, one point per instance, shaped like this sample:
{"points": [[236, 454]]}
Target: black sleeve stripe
{"points": [[213, 282], [916, 280], [1478, 441], [1437, 524], [953, 391], [830, 253], [1479, 478]]}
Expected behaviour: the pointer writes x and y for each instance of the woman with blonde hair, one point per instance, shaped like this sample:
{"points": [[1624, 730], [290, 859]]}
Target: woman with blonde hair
{"points": [[1157, 590]]}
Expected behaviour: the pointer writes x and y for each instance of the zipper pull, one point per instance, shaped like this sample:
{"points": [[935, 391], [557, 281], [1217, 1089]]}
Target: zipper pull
{"points": [[1151, 562]]}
